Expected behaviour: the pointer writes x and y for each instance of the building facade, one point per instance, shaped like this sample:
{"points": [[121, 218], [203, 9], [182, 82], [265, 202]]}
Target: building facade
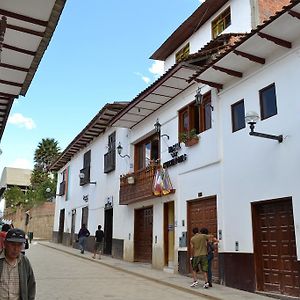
{"points": [[186, 158]]}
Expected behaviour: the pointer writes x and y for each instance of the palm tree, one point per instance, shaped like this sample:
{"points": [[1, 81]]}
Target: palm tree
{"points": [[45, 154]]}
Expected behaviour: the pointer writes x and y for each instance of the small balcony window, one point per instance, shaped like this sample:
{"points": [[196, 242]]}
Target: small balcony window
{"points": [[238, 116], [268, 105], [62, 188], [110, 156], [195, 118], [86, 168]]}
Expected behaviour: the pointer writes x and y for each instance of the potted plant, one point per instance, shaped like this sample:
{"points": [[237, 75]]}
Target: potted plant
{"points": [[189, 138]]}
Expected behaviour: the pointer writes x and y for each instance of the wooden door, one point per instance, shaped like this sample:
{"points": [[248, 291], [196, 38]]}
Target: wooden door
{"points": [[277, 269], [143, 224], [85, 216], [61, 226], [72, 238], [203, 213], [169, 233], [108, 231]]}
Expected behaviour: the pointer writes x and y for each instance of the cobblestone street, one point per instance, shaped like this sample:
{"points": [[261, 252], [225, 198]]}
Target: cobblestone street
{"points": [[62, 276]]}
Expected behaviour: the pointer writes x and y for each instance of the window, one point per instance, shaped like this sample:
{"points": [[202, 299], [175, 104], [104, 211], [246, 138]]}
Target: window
{"points": [[238, 116], [86, 168], [85, 216], [268, 106], [110, 156], [63, 185], [183, 53], [146, 152], [221, 22], [196, 117]]}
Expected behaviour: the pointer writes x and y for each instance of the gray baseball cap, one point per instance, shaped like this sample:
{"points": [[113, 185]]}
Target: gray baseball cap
{"points": [[15, 235]]}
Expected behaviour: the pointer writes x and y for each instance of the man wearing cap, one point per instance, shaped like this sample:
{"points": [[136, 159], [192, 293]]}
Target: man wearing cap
{"points": [[17, 280]]}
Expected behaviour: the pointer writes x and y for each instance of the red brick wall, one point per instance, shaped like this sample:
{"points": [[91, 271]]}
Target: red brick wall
{"points": [[268, 8]]}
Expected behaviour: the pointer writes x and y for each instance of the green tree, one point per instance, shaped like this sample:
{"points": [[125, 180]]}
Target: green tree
{"points": [[14, 196], [45, 154]]}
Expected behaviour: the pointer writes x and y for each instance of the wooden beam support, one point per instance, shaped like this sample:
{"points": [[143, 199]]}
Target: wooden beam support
{"points": [[294, 14], [11, 83], [275, 40], [228, 71], [23, 18], [7, 66], [25, 30], [8, 95], [212, 84], [24, 51], [251, 57]]}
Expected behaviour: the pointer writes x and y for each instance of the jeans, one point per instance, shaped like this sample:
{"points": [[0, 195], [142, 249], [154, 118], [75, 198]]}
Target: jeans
{"points": [[82, 242], [210, 257]]}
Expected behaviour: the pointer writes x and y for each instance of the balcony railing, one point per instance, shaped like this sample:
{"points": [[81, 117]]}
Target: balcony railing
{"points": [[62, 187], [137, 186], [109, 161], [86, 178]]}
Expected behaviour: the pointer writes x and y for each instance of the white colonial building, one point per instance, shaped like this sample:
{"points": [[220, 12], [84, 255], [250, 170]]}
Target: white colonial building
{"points": [[191, 121]]}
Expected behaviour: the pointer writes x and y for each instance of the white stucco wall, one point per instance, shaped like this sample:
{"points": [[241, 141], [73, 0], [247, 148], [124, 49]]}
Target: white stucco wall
{"points": [[256, 169], [240, 22], [107, 186]]}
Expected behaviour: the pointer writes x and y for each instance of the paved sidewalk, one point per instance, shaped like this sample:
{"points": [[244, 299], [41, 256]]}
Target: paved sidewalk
{"points": [[176, 281]]}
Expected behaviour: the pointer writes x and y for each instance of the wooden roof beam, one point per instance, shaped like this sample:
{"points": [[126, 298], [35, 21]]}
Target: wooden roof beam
{"points": [[275, 40], [25, 30], [7, 66], [8, 95], [228, 71], [294, 14], [23, 18], [11, 83], [251, 57], [210, 83], [21, 50]]}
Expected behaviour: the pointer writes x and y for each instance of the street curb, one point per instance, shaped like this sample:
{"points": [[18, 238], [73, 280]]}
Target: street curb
{"points": [[174, 286]]}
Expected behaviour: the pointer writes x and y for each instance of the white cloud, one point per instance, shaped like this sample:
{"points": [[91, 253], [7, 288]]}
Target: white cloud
{"points": [[144, 78], [157, 68], [21, 163], [21, 121]]}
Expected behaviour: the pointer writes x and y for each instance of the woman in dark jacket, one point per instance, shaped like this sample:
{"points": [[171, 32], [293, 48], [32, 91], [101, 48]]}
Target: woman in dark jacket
{"points": [[82, 235]]}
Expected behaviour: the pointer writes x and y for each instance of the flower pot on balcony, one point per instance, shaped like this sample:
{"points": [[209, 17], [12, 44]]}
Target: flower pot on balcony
{"points": [[130, 180], [191, 142]]}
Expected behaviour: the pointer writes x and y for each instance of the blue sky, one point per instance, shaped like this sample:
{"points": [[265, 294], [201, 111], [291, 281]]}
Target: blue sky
{"points": [[99, 53]]}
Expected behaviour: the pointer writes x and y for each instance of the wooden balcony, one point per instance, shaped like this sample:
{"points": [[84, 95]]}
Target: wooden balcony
{"points": [[86, 178], [62, 187], [137, 186], [110, 161]]}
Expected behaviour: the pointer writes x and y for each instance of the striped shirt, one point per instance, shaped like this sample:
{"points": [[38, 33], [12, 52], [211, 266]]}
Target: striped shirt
{"points": [[9, 281]]}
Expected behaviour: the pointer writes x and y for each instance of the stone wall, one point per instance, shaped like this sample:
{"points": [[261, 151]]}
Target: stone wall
{"points": [[41, 220]]}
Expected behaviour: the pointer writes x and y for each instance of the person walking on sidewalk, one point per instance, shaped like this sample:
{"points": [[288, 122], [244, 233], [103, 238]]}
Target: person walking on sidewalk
{"points": [[16, 275], [82, 236], [210, 257], [199, 254], [98, 248]]}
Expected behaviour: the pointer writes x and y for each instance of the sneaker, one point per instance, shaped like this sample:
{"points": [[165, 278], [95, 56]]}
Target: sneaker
{"points": [[206, 285], [195, 283], [210, 284]]}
